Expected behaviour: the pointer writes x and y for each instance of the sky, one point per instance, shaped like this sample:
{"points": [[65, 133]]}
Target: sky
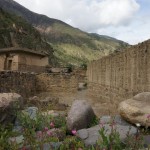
{"points": [[127, 20]]}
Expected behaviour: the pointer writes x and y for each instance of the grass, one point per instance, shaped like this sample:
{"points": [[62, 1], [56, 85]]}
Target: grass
{"points": [[37, 132]]}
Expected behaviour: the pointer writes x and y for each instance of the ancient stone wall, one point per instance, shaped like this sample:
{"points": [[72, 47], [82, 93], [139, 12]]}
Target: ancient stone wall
{"points": [[18, 82], [29, 84], [120, 75], [58, 82]]}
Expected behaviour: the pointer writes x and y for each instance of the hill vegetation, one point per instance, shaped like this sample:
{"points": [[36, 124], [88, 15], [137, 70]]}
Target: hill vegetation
{"points": [[70, 45], [16, 32]]}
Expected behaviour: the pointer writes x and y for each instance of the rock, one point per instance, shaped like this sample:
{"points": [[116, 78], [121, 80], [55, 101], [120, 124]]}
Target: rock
{"points": [[117, 119], [34, 100], [146, 139], [82, 86], [91, 135], [59, 70], [9, 104], [137, 109], [17, 139], [49, 100], [17, 129], [80, 115], [83, 134], [52, 145], [45, 146], [54, 113], [31, 112]]}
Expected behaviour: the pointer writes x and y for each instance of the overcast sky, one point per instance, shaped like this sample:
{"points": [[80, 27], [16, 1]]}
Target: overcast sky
{"points": [[127, 20]]}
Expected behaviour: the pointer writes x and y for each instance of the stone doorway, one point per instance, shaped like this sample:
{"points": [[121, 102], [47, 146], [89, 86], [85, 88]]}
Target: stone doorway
{"points": [[8, 62], [9, 65]]}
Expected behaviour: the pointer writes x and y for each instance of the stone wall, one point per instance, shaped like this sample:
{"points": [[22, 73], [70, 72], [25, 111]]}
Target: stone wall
{"points": [[29, 84], [18, 82], [121, 75], [58, 82]]}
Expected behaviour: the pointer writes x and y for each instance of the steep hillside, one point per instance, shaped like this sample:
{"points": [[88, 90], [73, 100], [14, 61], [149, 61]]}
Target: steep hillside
{"points": [[71, 45], [15, 31]]}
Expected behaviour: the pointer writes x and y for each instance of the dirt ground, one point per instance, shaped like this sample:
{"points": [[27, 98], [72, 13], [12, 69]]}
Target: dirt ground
{"points": [[100, 107]]}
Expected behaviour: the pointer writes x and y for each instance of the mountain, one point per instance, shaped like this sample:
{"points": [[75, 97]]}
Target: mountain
{"points": [[71, 45], [16, 32]]}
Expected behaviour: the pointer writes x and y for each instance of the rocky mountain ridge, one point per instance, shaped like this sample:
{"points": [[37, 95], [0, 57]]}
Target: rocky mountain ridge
{"points": [[71, 45]]}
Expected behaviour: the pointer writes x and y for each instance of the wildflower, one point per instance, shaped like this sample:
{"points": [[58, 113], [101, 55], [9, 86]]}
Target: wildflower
{"points": [[49, 133], [52, 125], [74, 131], [101, 124], [113, 124], [148, 116], [23, 148], [138, 124], [39, 133], [46, 129]]}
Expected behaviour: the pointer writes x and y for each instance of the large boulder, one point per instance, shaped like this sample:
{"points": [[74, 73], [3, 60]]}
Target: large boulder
{"points": [[80, 115], [137, 109], [91, 135], [9, 104]]}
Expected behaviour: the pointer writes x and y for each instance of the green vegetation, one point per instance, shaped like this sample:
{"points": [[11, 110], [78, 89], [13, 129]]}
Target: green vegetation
{"points": [[38, 131], [70, 45], [15, 31], [76, 47]]}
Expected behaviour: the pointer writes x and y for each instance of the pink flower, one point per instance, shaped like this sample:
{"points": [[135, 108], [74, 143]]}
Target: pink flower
{"points": [[101, 124], [49, 133], [39, 133], [148, 116], [113, 124], [23, 148], [52, 125], [46, 129], [74, 131]]}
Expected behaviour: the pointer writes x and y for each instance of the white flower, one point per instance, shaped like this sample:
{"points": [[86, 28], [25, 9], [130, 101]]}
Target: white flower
{"points": [[138, 124]]}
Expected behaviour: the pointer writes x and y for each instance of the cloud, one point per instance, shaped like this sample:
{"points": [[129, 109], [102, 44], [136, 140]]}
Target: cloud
{"points": [[87, 15], [127, 20]]}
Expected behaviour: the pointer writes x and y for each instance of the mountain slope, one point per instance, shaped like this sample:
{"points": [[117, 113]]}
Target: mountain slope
{"points": [[70, 45], [16, 32]]}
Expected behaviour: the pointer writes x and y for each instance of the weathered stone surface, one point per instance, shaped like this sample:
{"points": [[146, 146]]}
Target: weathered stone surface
{"points": [[31, 112], [9, 104], [116, 119], [94, 136], [146, 140], [137, 109], [80, 115], [82, 86], [17, 139], [49, 100], [34, 100], [120, 75], [23, 83], [83, 134], [52, 145], [54, 114]]}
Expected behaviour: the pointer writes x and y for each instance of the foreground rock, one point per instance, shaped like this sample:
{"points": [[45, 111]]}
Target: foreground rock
{"points": [[80, 115], [91, 135], [137, 109], [9, 104]]}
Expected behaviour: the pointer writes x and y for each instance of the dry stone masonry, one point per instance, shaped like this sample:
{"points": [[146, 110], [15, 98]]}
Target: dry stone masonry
{"points": [[121, 75], [23, 83], [29, 83]]}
